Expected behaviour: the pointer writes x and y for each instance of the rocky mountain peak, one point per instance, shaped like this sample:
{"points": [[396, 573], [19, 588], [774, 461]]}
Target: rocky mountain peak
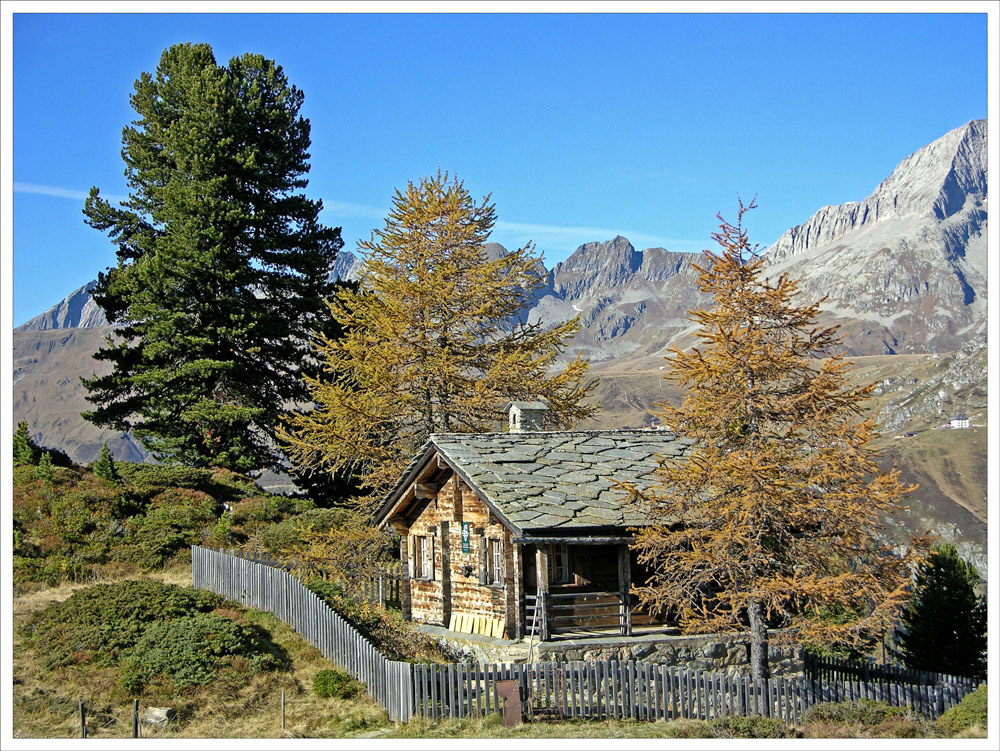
{"points": [[347, 266], [77, 310], [936, 181], [597, 264], [904, 270]]}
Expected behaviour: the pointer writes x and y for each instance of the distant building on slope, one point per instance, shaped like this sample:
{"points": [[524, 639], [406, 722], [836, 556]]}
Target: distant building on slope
{"points": [[959, 421]]}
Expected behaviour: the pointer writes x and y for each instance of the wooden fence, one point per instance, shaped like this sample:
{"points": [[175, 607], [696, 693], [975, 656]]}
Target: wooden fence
{"points": [[382, 587], [275, 590], [633, 690], [592, 690], [831, 668]]}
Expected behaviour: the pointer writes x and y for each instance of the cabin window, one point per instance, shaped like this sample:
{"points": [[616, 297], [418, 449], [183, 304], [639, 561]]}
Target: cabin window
{"points": [[423, 557], [558, 564], [494, 562]]}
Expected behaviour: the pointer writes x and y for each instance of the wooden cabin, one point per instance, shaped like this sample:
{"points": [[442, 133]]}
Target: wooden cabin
{"points": [[506, 534]]}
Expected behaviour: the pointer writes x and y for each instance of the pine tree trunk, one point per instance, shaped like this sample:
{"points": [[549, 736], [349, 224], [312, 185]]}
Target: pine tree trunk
{"points": [[758, 642]]}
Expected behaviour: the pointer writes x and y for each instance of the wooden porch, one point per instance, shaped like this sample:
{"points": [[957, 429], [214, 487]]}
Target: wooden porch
{"points": [[590, 595], [576, 614]]}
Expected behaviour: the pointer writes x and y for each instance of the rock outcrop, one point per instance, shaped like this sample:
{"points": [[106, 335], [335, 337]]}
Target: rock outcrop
{"points": [[904, 270], [77, 310]]}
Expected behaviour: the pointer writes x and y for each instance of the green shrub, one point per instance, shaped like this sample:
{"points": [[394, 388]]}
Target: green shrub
{"points": [[100, 623], [188, 651], [146, 480], [174, 520], [48, 571], [252, 515], [971, 711], [901, 727], [753, 726], [78, 524], [336, 684], [232, 484], [151, 477], [285, 535], [864, 712]]}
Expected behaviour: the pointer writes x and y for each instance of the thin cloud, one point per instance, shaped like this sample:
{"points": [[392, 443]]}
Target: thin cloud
{"points": [[548, 236], [54, 192]]}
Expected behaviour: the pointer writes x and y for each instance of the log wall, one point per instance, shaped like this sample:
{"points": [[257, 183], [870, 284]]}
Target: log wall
{"points": [[456, 596]]}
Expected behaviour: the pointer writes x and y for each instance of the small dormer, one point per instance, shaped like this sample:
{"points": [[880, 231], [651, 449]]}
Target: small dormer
{"points": [[525, 417]]}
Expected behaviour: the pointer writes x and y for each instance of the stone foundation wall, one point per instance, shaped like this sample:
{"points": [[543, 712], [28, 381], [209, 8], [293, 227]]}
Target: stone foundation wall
{"points": [[471, 649], [727, 652]]}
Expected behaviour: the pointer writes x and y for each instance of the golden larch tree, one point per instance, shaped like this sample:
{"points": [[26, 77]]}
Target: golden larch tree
{"points": [[433, 342], [775, 516]]}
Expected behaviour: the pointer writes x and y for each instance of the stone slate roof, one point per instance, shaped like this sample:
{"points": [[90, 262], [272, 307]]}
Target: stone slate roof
{"points": [[548, 482]]}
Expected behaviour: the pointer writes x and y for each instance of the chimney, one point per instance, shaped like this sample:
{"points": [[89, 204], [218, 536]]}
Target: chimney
{"points": [[525, 417]]}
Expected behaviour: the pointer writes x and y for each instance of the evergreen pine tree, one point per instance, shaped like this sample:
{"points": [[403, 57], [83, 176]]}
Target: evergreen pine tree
{"points": [[773, 518], [222, 263], [104, 465], [44, 469], [432, 342], [943, 628], [25, 450]]}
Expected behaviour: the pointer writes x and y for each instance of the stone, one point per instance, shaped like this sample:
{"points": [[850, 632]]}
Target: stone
{"points": [[159, 715], [715, 650]]}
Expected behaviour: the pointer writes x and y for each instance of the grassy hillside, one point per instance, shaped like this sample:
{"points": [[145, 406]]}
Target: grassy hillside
{"points": [[103, 614], [47, 392], [242, 699], [75, 526]]}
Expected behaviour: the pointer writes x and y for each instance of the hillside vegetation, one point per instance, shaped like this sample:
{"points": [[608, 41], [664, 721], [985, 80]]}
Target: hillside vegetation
{"points": [[74, 526], [222, 668]]}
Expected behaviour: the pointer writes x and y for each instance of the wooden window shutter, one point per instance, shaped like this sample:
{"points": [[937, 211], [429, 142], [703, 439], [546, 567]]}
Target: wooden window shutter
{"points": [[411, 555], [484, 574]]}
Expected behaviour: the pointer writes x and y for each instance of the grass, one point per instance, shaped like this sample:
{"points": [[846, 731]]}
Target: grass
{"points": [[492, 727], [903, 727]]}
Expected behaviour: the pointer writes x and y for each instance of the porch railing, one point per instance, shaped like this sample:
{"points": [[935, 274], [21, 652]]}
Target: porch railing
{"points": [[561, 613]]}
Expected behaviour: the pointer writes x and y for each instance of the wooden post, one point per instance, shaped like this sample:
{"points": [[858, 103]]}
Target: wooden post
{"points": [[404, 579], [83, 720], [457, 511], [624, 585], [542, 570], [515, 583], [445, 573], [282, 709], [135, 718]]}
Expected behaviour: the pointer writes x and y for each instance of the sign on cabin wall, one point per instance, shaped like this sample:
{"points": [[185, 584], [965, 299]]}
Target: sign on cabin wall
{"points": [[465, 538]]}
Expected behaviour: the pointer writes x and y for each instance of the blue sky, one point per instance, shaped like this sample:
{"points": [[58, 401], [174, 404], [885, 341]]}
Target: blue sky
{"points": [[582, 126]]}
